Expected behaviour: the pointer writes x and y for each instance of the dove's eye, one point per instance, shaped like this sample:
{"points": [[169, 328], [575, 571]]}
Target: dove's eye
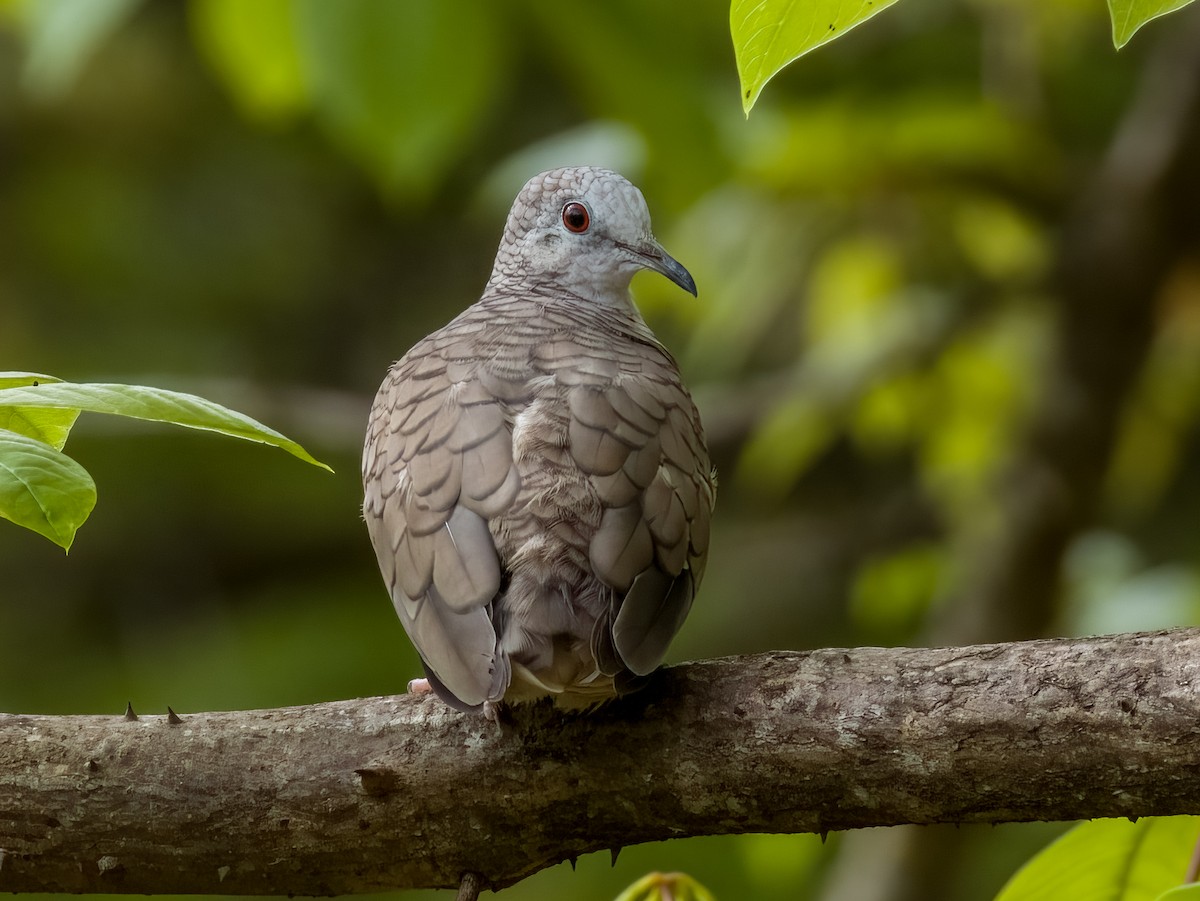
{"points": [[575, 217]]}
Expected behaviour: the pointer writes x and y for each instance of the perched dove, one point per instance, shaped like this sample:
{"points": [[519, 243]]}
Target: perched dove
{"points": [[537, 486]]}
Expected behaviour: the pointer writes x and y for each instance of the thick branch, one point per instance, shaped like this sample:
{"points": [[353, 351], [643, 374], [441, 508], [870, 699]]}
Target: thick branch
{"points": [[401, 792]]}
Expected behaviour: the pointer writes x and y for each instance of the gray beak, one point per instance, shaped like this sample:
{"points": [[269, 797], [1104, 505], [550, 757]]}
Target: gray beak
{"points": [[652, 256]]}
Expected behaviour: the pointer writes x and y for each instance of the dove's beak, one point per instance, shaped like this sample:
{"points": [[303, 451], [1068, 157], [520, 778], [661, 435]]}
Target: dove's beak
{"points": [[652, 256]]}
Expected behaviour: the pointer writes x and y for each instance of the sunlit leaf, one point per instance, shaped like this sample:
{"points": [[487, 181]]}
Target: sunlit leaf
{"points": [[154, 404], [46, 424], [769, 34], [252, 46], [1130, 15], [666, 887], [43, 489], [893, 591], [63, 35], [21, 379], [401, 84], [1109, 860], [1181, 893]]}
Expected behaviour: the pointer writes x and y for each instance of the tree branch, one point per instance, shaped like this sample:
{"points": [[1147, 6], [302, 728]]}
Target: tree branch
{"points": [[402, 792]]}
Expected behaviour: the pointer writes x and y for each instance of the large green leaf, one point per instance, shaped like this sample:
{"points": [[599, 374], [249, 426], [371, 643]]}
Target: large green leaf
{"points": [[45, 424], [1181, 893], [769, 34], [252, 46], [13, 379], [43, 489], [401, 85], [1109, 860], [154, 404], [1130, 15]]}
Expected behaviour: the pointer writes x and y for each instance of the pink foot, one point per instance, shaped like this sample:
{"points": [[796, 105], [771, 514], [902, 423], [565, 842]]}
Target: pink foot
{"points": [[419, 687]]}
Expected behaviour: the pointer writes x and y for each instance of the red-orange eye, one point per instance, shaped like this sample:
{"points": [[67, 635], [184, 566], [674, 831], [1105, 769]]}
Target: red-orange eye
{"points": [[576, 218]]}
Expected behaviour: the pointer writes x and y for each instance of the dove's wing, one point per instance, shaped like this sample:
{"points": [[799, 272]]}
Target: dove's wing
{"points": [[634, 430], [437, 465]]}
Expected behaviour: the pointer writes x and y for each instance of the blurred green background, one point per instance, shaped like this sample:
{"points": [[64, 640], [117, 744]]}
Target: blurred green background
{"points": [[936, 418]]}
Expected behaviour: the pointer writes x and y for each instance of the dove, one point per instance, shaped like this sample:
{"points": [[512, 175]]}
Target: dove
{"points": [[537, 487]]}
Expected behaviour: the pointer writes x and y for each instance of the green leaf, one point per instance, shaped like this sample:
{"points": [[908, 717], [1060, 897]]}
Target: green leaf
{"points": [[252, 46], [155, 404], [1109, 860], [769, 34], [666, 887], [402, 85], [1130, 15], [1181, 893], [45, 424], [43, 489], [21, 379], [63, 35]]}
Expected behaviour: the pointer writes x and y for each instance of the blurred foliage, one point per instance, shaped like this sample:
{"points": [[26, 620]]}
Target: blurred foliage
{"points": [[1109, 860], [265, 203], [62, 36]]}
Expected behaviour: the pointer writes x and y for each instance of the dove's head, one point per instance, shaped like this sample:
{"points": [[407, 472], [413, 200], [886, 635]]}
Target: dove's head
{"points": [[585, 230]]}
